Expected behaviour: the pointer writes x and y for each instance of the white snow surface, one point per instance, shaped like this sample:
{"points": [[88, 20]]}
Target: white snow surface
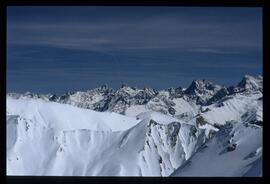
{"points": [[67, 117], [233, 108], [48, 138], [214, 160]]}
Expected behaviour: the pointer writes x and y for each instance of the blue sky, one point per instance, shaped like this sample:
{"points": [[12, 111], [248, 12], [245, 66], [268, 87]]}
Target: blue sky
{"points": [[55, 49]]}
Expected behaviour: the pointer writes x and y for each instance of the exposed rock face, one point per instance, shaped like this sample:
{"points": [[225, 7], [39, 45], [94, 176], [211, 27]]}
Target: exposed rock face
{"points": [[200, 121], [201, 91], [171, 110], [103, 98], [251, 83], [159, 133], [231, 147], [168, 146], [218, 95], [176, 93]]}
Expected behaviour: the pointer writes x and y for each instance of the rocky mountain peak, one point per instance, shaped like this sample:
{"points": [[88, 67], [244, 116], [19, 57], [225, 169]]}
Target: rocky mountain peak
{"points": [[201, 91], [200, 86], [251, 82], [104, 98]]}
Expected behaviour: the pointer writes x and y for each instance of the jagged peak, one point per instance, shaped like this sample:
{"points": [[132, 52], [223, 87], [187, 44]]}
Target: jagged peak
{"points": [[104, 86], [179, 88], [251, 77], [69, 92], [150, 90], [123, 85], [127, 87], [200, 85], [251, 82]]}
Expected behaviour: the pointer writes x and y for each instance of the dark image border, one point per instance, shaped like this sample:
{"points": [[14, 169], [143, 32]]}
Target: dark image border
{"points": [[53, 179]]}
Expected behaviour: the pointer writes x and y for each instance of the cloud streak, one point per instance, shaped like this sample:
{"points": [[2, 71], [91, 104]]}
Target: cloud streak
{"points": [[65, 47], [213, 51], [165, 31]]}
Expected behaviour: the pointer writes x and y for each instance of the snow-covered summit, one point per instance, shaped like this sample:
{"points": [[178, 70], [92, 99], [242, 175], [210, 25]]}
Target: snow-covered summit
{"points": [[138, 132], [202, 90], [200, 86], [104, 98], [251, 82]]}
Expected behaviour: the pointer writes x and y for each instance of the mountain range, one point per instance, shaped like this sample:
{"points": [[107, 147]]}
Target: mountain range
{"points": [[203, 130]]}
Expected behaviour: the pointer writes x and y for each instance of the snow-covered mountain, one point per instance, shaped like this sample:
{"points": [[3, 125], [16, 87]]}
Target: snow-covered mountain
{"points": [[204, 130]]}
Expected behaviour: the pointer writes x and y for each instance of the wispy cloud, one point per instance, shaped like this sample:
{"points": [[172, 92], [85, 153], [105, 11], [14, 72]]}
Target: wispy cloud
{"points": [[213, 51], [159, 46], [161, 31], [228, 65]]}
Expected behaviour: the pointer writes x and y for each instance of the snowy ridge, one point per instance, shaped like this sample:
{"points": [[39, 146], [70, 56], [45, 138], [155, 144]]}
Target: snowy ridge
{"points": [[47, 114], [54, 147], [172, 132], [232, 108], [168, 147], [170, 101], [236, 150]]}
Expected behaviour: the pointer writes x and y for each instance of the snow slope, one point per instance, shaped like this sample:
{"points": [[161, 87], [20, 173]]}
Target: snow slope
{"points": [[67, 117], [85, 142], [232, 108], [214, 159], [165, 133]]}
